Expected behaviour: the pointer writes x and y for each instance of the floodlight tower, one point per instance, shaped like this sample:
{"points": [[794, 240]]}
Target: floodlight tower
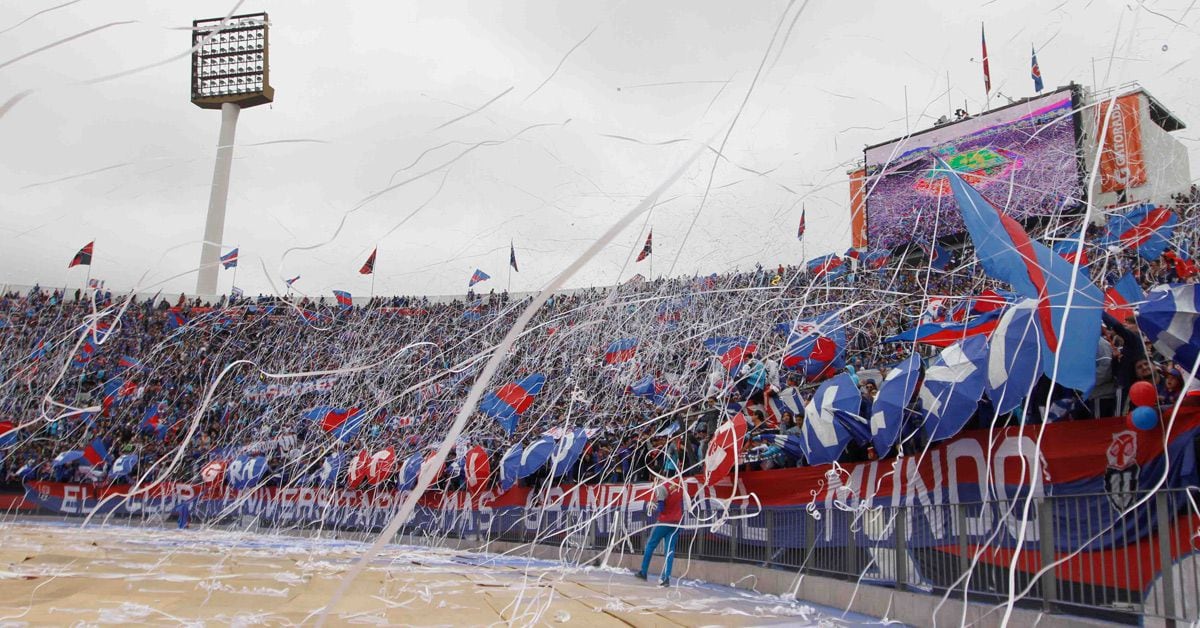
{"points": [[229, 71]]}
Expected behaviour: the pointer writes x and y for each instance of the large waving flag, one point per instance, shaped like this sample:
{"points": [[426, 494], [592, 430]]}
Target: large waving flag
{"points": [[368, 267], [567, 452], [84, 256], [1121, 297], [230, 259], [477, 277], [330, 468], [815, 345], [340, 423], [344, 300], [1170, 318], [1014, 357], [510, 401], [1146, 228], [953, 386], [621, 350], [825, 432], [888, 409], [731, 351], [1069, 337], [510, 466], [828, 266], [944, 334]]}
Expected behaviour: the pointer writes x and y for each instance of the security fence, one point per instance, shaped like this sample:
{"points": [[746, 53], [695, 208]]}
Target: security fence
{"points": [[1047, 553]]}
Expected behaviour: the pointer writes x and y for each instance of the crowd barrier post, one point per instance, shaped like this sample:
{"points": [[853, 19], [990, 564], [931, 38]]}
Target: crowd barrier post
{"points": [[1164, 558], [1049, 584], [900, 532]]}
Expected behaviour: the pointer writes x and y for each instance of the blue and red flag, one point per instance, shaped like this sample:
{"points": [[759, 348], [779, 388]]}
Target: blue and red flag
{"points": [[175, 319], [344, 300], [648, 248], [153, 421], [368, 267], [1146, 228], [1068, 248], [477, 277], [96, 453], [648, 389], [510, 401], [877, 260], [939, 257], [86, 352], [731, 351], [815, 345], [944, 334], [621, 350], [292, 281], [230, 259], [826, 266], [1069, 335], [8, 434], [800, 229], [1121, 298], [117, 391], [1035, 72], [855, 252], [84, 256], [340, 423], [127, 362]]}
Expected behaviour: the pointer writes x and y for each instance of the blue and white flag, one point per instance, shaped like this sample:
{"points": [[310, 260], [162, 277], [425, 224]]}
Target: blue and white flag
{"points": [[1169, 320], [245, 471], [536, 455], [567, 451], [825, 436], [953, 386], [124, 465], [887, 412], [1014, 357]]}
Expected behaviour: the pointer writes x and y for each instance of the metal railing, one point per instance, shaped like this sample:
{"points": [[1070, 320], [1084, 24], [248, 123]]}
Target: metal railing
{"points": [[1095, 555]]}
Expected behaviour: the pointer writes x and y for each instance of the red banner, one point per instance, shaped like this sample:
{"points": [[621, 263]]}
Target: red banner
{"points": [[1121, 164]]}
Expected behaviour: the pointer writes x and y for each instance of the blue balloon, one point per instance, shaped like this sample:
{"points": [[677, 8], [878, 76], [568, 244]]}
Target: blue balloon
{"points": [[1144, 417]]}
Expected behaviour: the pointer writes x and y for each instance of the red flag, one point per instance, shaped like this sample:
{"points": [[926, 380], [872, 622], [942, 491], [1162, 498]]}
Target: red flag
{"points": [[987, 73], [369, 266], [83, 257], [800, 231], [647, 249]]}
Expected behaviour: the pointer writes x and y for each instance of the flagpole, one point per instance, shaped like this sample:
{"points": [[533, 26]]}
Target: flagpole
{"points": [[88, 280], [235, 267], [374, 263]]}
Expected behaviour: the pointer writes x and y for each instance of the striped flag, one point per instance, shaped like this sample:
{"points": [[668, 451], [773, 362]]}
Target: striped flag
{"points": [[1035, 73], [987, 73], [369, 266], [648, 248]]}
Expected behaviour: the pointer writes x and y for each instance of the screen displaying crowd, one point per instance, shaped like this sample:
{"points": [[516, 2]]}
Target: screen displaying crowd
{"points": [[164, 377], [1021, 156]]}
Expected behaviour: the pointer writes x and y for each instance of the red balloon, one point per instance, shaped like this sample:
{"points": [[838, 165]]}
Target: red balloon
{"points": [[1143, 394]]}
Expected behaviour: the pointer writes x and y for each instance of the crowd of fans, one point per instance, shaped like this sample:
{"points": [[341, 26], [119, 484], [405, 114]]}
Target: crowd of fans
{"points": [[156, 375]]}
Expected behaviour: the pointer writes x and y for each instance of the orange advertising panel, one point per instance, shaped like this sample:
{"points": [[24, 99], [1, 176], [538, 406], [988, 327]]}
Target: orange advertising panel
{"points": [[1121, 164], [858, 210]]}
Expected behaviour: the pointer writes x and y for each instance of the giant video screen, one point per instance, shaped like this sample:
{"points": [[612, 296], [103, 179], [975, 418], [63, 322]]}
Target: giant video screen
{"points": [[1022, 157]]}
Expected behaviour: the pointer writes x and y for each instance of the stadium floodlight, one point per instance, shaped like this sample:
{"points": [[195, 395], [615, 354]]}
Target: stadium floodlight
{"points": [[230, 70]]}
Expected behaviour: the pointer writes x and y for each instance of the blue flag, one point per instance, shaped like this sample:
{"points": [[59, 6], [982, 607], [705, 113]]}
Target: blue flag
{"points": [[1006, 252]]}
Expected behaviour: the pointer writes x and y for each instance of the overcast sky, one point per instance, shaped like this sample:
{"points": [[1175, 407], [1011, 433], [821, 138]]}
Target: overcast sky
{"points": [[128, 161]]}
